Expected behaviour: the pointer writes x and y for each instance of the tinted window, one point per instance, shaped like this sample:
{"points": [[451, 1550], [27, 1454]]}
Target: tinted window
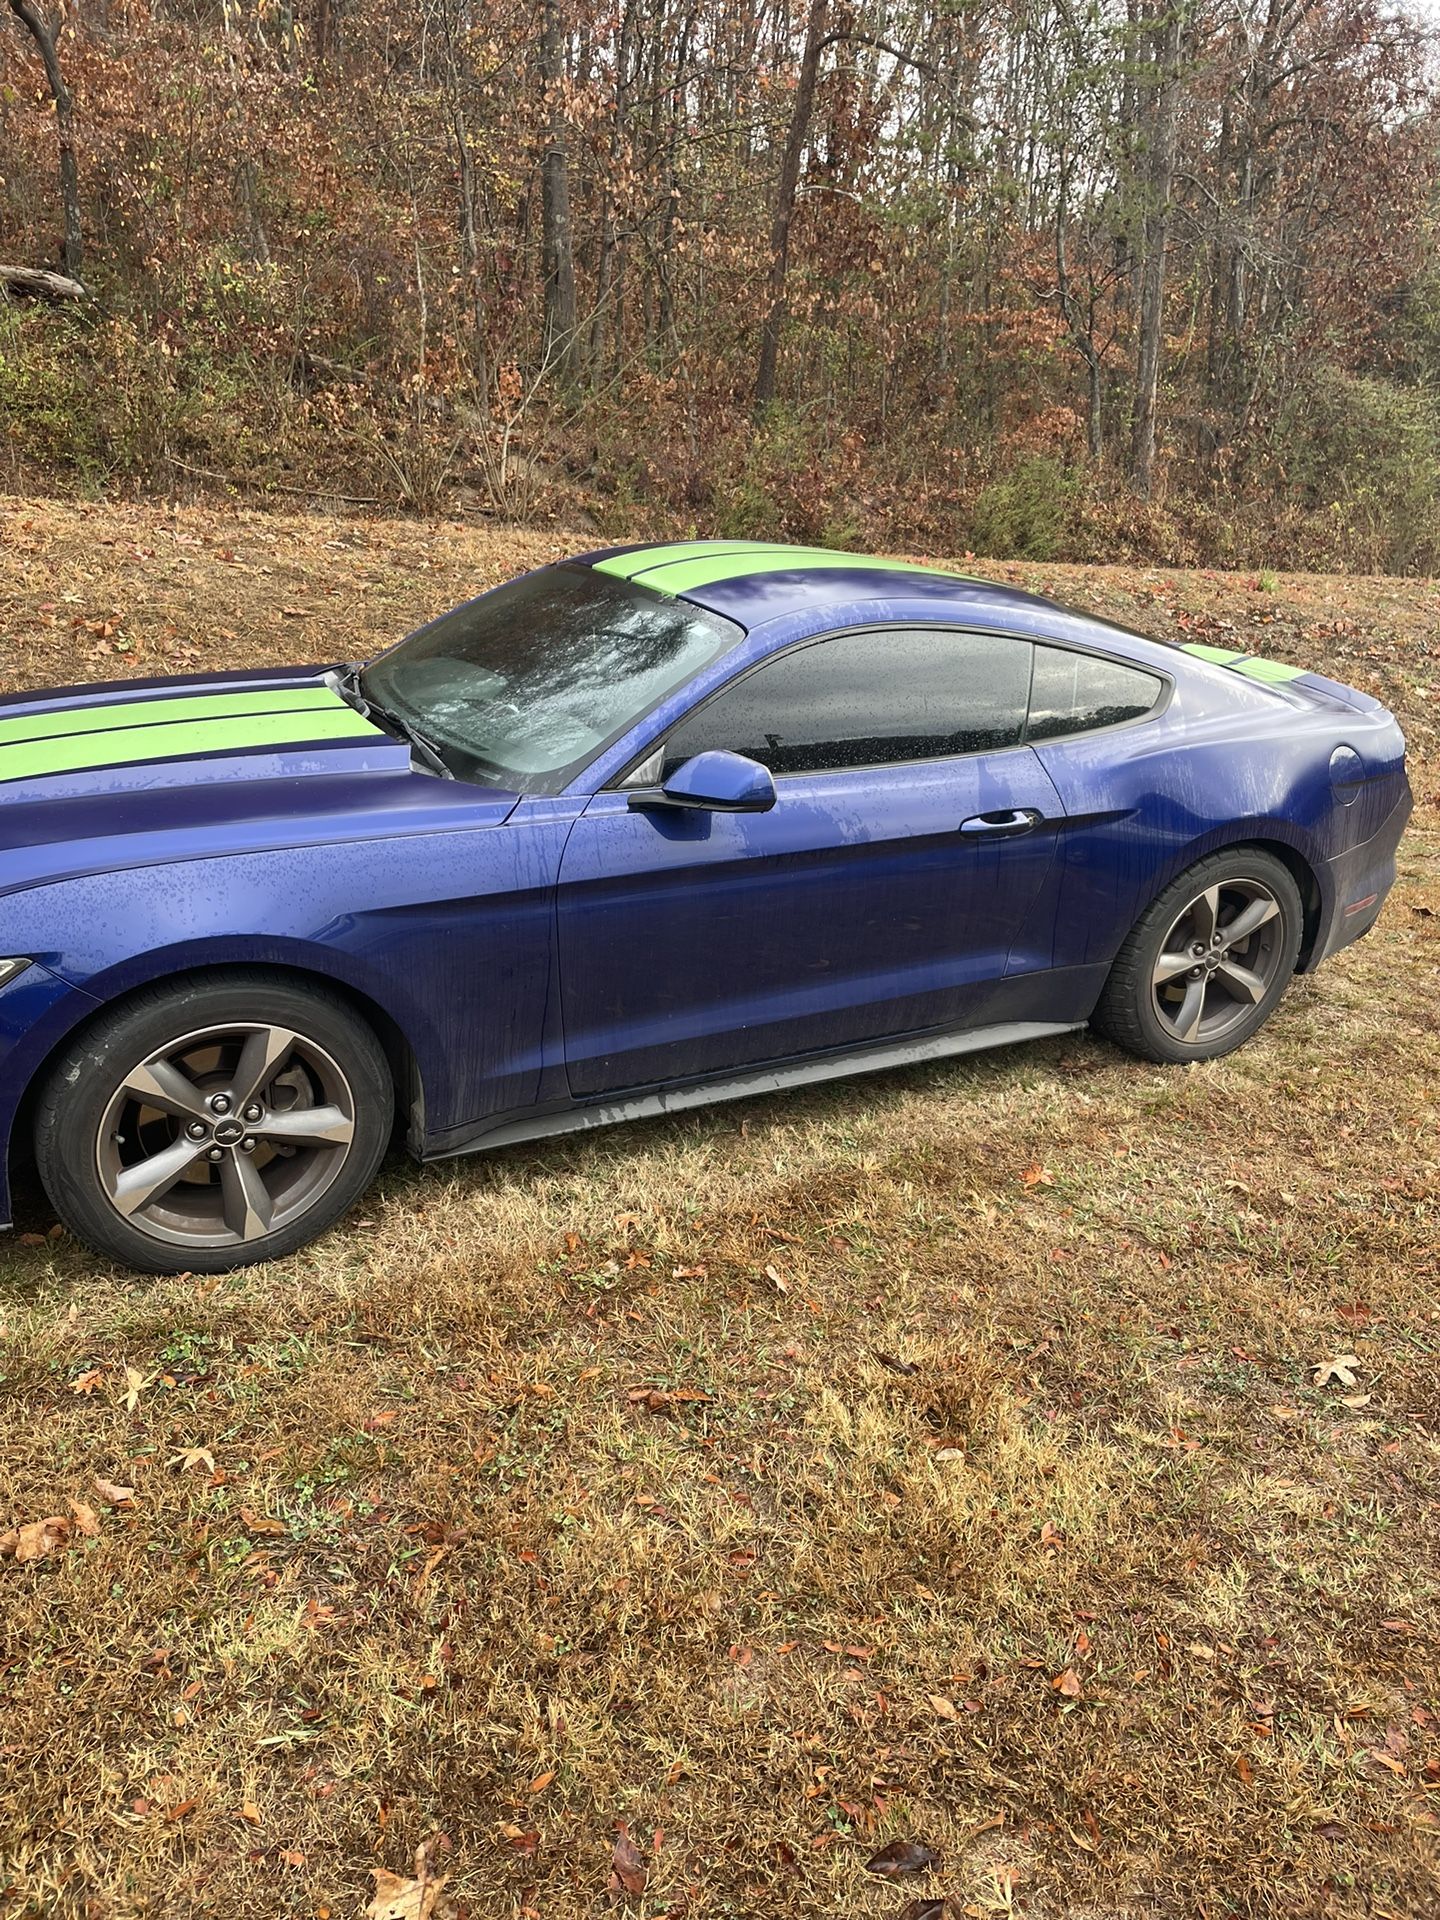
{"points": [[1075, 692], [524, 685], [866, 700]]}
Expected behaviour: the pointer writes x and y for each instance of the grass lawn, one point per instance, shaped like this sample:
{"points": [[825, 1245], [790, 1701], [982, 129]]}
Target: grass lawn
{"points": [[947, 1456]]}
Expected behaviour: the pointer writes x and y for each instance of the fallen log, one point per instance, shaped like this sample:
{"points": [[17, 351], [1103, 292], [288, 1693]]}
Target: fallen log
{"points": [[45, 286]]}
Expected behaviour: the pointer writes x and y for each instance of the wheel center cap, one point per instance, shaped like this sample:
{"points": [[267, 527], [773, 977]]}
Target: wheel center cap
{"points": [[228, 1133]]}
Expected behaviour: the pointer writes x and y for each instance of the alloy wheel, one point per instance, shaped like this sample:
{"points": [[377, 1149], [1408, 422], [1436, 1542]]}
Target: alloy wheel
{"points": [[225, 1135], [1218, 961]]}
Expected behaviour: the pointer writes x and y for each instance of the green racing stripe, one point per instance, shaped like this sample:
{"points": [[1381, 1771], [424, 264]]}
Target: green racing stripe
{"points": [[162, 711], [1273, 673], [131, 732], [712, 562], [625, 566]]}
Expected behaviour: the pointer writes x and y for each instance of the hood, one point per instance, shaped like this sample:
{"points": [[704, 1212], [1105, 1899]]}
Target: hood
{"points": [[138, 772]]}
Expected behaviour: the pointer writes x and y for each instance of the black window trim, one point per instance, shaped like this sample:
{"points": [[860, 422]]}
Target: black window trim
{"points": [[617, 783]]}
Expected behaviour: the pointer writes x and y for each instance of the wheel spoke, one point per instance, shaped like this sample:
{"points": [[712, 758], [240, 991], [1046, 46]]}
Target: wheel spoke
{"points": [[1170, 966], [261, 1058], [1191, 1011], [160, 1083], [245, 1198], [308, 1127], [135, 1187], [1242, 983], [1205, 914], [1261, 909]]}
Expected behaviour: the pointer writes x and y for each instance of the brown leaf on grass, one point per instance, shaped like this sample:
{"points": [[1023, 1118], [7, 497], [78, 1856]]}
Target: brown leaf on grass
{"points": [[900, 1858], [1341, 1369], [261, 1522], [628, 1868], [1067, 1683], [896, 1366], [87, 1381], [36, 1540], [422, 1898], [777, 1280], [190, 1458], [87, 1521], [942, 1708], [113, 1493], [1037, 1176]]}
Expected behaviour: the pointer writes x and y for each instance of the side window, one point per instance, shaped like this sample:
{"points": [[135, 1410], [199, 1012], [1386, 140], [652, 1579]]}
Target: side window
{"points": [[868, 700], [1077, 692]]}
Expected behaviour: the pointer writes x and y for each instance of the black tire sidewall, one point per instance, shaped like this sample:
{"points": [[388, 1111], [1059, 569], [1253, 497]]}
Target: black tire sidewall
{"points": [[1127, 1011], [84, 1079]]}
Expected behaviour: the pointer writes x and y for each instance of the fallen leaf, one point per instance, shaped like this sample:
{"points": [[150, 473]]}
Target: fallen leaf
{"points": [[944, 1709], [1355, 1401], [135, 1384], [541, 1781], [1067, 1683], [1037, 1176], [261, 1522], [36, 1540], [113, 1493], [192, 1457], [87, 1521], [780, 1284], [896, 1366], [249, 1811], [902, 1857], [1341, 1369], [418, 1899], [629, 1871], [88, 1381]]}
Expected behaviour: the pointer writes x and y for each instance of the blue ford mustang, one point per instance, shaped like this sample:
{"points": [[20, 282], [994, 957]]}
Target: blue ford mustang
{"points": [[656, 826]]}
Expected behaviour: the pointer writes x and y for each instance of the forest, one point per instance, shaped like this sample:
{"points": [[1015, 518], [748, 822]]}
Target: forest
{"points": [[1083, 279]]}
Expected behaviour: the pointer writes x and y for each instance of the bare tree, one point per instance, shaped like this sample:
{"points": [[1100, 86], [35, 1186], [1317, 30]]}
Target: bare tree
{"points": [[45, 36]]}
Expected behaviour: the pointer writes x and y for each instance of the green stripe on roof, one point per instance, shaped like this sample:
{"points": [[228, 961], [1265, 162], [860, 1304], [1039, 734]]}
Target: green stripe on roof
{"points": [[686, 576], [1272, 672], [163, 711], [1219, 656], [128, 746], [625, 566]]}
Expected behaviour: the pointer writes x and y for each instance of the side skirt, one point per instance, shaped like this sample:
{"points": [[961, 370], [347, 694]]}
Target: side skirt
{"points": [[743, 1086]]}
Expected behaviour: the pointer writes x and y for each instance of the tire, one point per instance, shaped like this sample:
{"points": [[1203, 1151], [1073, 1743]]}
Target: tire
{"points": [[213, 1122], [1178, 950]]}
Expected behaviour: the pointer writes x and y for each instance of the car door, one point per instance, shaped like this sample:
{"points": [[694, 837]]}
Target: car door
{"points": [[911, 839]]}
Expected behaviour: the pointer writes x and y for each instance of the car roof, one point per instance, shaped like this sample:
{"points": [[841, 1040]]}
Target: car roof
{"points": [[757, 581]]}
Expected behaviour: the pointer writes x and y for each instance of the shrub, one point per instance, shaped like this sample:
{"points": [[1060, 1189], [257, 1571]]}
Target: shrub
{"points": [[1027, 515]]}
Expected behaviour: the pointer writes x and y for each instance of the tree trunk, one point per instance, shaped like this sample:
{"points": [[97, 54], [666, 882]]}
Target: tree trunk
{"points": [[1152, 278], [789, 185], [557, 237], [72, 252]]}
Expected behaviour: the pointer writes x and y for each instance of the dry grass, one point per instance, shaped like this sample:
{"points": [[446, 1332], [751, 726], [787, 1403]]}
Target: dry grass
{"points": [[449, 1577]]}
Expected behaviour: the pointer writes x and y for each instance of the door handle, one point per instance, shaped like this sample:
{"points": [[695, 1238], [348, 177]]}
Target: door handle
{"points": [[1011, 821]]}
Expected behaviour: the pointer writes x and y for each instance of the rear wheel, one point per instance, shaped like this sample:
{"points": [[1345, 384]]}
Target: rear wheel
{"points": [[213, 1123], [1206, 964]]}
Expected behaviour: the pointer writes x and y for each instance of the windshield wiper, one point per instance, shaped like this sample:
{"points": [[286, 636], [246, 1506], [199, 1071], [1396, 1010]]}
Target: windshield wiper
{"points": [[347, 684]]}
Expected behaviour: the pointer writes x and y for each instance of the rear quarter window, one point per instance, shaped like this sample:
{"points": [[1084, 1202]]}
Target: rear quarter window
{"points": [[1079, 692]]}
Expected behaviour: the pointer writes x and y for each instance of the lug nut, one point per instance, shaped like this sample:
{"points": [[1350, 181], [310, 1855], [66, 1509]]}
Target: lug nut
{"points": [[197, 1129], [220, 1103], [254, 1111], [216, 1153], [247, 1145]]}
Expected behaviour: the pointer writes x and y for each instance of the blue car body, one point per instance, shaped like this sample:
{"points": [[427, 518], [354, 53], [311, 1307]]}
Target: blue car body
{"points": [[545, 960]]}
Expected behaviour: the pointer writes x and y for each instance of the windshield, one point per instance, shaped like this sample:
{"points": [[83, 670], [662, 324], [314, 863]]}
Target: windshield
{"points": [[523, 686]]}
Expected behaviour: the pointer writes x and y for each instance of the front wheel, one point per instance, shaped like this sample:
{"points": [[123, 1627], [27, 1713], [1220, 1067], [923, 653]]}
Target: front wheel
{"points": [[1207, 962], [211, 1123]]}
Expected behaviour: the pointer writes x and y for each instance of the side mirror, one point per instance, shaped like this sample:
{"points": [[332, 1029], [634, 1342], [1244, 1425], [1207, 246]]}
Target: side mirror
{"points": [[715, 782]]}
